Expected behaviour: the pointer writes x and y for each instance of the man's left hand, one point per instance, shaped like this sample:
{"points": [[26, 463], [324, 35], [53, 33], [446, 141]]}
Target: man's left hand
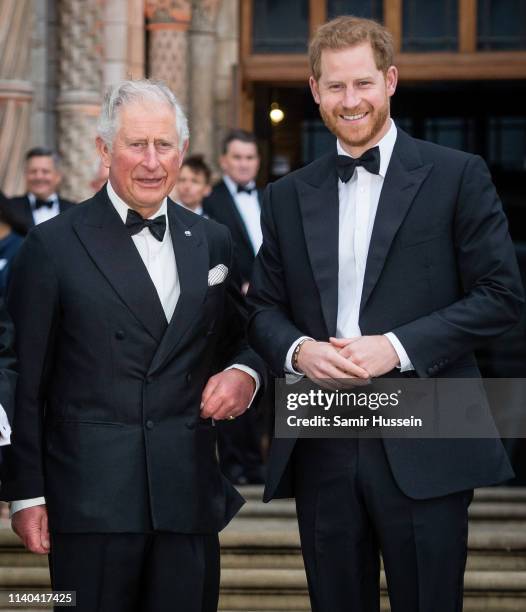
{"points": [[227, 394], [375, 354]]}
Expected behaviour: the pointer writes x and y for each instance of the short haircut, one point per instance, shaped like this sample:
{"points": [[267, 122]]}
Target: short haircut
{"points": [[238, 134], [348, 31], [43, 152], [141, 90], [197, 164]]}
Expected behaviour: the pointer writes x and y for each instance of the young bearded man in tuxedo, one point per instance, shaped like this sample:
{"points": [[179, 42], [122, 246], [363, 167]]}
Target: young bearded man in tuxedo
{"points": [[41, 202], [130, 338], [390, 256]]}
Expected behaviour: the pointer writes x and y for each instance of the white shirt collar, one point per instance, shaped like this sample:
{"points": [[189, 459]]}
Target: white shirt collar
{"points": [[122, 208], [386, 145], [232, 185], [33, 198]]}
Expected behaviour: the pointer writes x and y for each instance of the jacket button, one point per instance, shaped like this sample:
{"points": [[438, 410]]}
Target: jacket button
{"points": [[189, 378], [120, 335], [149, 380], [149, 424], [190, 424]]}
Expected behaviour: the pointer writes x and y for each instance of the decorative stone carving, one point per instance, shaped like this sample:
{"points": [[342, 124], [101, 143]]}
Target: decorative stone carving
{"points": [[16, 91], [202, 59], [168, 22], [80, 85]]}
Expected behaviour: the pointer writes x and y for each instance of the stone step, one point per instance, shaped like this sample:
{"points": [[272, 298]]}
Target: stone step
{"points": [[267, 543], [263, 590], [272, 589]]}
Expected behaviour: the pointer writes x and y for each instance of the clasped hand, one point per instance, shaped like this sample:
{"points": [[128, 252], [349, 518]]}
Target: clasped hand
{"points": [[353, 360]]}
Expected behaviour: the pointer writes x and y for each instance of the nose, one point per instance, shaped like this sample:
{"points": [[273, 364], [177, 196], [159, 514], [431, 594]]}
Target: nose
{"points": [[351, 98], [151, 160]]}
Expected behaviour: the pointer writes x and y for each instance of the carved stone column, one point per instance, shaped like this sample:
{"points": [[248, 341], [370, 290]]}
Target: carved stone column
{"points": [[202, 52], [80, 84], [123, 41], [167, 23], [16, 91]]}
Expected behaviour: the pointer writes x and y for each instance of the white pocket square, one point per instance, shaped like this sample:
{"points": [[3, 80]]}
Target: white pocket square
{"points": [[217, 275]]}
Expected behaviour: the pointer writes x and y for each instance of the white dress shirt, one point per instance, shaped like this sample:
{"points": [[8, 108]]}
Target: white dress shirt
{"points": [[358, 203], [159, 259], [43, 213], [5, 428], [249, 209]]}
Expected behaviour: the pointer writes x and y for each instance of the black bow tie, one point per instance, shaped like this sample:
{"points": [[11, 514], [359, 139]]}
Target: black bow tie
{"points": [[244, 189], [370, 160], [135, 223], [42, 203]]}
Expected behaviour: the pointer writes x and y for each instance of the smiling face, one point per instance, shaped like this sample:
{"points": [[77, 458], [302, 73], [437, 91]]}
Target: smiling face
{"points": [[144, 160], [42, 176], [353, 96]]}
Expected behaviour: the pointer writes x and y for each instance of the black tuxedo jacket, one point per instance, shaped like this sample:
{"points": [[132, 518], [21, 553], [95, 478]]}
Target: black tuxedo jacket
{"points": [[441, 274], [107, 422], [220, 206], [21, 214]]}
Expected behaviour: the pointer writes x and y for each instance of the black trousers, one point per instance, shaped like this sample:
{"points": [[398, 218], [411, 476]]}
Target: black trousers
{"points": [[155, 572], [350, 508]]}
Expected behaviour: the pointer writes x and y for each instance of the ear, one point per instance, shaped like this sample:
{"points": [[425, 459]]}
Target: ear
{"points": [[104, 152], [391, 80], [183, 153], [207, 191], [313, 83], [222, 162]]}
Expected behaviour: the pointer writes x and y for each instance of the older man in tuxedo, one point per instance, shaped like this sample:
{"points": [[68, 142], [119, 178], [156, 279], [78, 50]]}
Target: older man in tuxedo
{"points": [[388, 256], [41, 202], [131, 346]]}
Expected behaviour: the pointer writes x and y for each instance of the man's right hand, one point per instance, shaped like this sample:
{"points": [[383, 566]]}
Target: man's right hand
{"points": [[322, 362], [30, 524]]}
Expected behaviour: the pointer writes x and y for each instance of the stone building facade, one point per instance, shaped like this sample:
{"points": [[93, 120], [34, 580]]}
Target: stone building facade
{"points": [[57, 57]]}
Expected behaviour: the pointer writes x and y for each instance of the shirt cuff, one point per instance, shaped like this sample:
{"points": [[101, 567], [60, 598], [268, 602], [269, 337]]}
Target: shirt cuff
{"points": [[405, 362], [22, 504], [250, 372], [5, 429]]}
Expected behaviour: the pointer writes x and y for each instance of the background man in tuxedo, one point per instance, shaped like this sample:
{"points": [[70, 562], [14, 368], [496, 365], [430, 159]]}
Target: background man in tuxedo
{"points": [[389, 256], [41, 202], [235, 202], [124, 310]]}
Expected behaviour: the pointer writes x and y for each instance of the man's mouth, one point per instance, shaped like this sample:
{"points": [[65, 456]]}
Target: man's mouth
{"points": [[355, 117], [150, 182]]}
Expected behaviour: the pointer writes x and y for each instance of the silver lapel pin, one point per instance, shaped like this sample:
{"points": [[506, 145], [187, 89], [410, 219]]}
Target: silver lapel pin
{"points": [[188, 233]]}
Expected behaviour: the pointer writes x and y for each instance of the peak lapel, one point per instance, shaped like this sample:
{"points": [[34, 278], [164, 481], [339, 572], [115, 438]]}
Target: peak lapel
{"points": [[403, 179], [109, 245], [318, 198], [191, 258]]}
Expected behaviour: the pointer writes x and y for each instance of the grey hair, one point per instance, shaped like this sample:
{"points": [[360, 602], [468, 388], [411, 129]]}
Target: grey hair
{"points": [[127, 92]]}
